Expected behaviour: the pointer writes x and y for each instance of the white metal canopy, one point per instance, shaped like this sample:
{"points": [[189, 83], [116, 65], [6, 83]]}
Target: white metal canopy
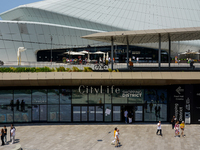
{"points": [[147, 36]]}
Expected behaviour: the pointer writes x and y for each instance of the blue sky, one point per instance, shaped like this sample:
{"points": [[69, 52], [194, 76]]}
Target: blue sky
{"points": [[9, 4]]}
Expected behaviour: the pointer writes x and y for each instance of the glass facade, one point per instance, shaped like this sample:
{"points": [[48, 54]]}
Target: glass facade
{"points": [[82, 104]]}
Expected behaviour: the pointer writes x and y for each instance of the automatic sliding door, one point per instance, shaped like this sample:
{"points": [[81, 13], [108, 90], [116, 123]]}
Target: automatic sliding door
{"points": [[116, 113], [84, 113], [138, 113], [76, 113], [99, 113], [91, 113]]}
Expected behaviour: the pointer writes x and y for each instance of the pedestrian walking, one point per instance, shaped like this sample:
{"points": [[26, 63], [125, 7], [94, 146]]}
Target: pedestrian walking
{"points": [[182, 126], [173, 121], [130, 117], [5, 135], [117, 138], [159, 128], [113, 142], [126, 115], [13, 135], [2, 136], [176, 127], [12, 126]]}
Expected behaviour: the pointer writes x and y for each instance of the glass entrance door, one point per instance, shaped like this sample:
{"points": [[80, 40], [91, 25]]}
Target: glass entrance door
{"points": [[39, 113], [88, 113], [117, 113]]}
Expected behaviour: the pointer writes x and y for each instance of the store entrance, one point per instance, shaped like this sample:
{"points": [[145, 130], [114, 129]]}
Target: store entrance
{"points": [[85, 113], [134, 111]]}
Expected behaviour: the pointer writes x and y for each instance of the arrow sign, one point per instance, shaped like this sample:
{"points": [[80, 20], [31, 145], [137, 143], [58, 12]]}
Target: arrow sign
{"points": [[179, 90]]}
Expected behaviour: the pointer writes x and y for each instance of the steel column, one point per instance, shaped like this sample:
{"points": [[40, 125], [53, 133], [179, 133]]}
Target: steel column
{"points": [[127, 51], [169, 55], [112, 53], [159, 51]]}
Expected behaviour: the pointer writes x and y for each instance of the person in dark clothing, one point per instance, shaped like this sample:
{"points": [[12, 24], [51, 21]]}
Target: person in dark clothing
{"points": [[2, 136], [5, 134], [22, 105], [173, 121], [158, 111], [151, 106], [12, 104], [17, 105]]}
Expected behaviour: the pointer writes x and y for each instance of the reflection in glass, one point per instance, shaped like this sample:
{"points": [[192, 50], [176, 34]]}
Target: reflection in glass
{"points": [[53, 96], [108, 113], [53, 113], [7, 106], [107, 98], [116, 113], [39, 96], [22, 95], [23, 116], [135, 96], [138, 113], [43, 112], [119, 98], [65, 113], [99, 113], [35, 113], [65, 96], [78, 98]]}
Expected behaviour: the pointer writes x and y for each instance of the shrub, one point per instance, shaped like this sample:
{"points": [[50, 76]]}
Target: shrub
{"points": [[75, 69], [117, 70], [113, 71], [109, 70], [68, 70], [60, 69]]}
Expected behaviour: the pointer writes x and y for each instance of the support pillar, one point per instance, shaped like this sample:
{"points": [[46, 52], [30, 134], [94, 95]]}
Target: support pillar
{"points": [[127, 52], [159, 52], [169, 55], [112, 53]]}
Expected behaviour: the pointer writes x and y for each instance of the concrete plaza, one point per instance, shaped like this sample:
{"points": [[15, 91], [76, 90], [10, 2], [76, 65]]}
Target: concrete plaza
{"points": [[99, 137]]}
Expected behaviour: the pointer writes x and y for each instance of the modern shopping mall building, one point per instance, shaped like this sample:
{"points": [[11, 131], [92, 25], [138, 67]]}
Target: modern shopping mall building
{"points": [[95, 96]]}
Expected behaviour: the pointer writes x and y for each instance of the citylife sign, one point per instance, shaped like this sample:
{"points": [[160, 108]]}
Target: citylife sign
{"points": [[109, 90]]}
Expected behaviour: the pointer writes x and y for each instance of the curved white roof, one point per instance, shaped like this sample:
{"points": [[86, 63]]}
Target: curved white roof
{"points": [[114, 14]]}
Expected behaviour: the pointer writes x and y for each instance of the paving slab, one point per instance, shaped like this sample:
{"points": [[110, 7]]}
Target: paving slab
{"points": [[99, 137]]}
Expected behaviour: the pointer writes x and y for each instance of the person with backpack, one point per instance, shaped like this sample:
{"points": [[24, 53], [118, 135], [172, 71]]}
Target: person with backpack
{"points": [[113, 142]]}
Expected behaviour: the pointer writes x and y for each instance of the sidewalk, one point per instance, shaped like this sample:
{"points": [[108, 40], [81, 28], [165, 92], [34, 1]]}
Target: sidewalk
{"points": [[99, 137]]}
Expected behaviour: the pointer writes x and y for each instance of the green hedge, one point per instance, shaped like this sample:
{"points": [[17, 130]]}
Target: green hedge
{"points": [[44, 69]]}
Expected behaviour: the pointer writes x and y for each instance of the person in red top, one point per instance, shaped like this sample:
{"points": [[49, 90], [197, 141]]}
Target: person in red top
{"points": [[176, 127]]}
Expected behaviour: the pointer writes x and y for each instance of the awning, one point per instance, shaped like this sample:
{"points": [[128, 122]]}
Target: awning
{"points": [[147, 36]]}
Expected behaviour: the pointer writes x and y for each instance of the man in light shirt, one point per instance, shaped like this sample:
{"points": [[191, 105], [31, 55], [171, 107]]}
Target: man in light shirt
{"points": [[13, 135], [159, 128]]}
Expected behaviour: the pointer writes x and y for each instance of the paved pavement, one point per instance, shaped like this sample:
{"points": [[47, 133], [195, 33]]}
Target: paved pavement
{"points": [[99, 137]]}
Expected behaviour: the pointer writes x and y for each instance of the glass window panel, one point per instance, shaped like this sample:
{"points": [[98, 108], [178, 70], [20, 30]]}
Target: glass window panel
{"points": [[135, 96], [35, 113], [76, 113], [84, 113], [162, 112], [96, 96], [150, 96], [162, 96], [116, 113], [23, 114], [91, 113], [138, 113], [78, 98], [6, 114], [99, 113], [43, 112], [53, 113], [108, 110], [119, 97], [65, 96], [53, 96], [107, 98], [6, 96], [20, 95], [39, 96], [150, 113], [65, 113]]}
